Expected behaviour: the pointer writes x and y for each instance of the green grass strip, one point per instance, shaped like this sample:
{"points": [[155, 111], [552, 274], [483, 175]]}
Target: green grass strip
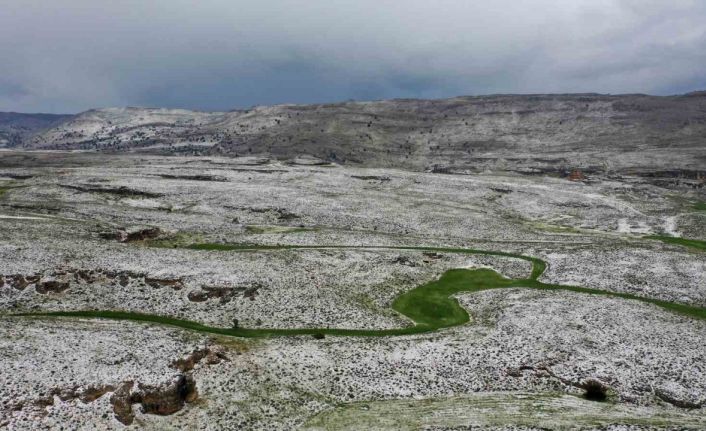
{"points": [[693, 243], [430, 306]]}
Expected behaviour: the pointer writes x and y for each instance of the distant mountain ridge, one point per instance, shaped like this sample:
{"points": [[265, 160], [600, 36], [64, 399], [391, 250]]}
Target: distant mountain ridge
{"points": [[16, 127], [517, 132]]}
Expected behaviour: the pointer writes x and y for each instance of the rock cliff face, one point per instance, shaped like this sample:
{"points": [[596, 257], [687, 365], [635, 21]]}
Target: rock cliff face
{"points": [[515, 132]]}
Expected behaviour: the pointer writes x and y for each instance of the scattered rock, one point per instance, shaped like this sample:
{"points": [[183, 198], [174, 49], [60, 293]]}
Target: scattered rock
{"points": [[212, 355], [86, 275], [92, 393], [251, 292], [132, 234], [197, 296], [122, 403], [674, 398], [576, 175], [166, 399], [20, 282], [208, 292], [174, 283], [86, 395], [307, 160], [225, 294], [259, 171], [280, 213], [195, 177], [382, 179], [501, 191], [54, 286], [66, 394], [431, 256], [404, 260]]}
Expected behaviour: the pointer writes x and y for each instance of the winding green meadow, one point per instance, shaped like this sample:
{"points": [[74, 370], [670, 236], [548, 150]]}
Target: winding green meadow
{"points": [[429, 307]]}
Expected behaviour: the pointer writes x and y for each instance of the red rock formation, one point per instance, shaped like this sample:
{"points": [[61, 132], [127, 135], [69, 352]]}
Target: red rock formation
{"points": [[576, 175]]}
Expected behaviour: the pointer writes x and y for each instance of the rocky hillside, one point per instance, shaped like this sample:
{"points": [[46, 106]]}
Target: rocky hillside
{"points": [[531, 133], [16, 128]]}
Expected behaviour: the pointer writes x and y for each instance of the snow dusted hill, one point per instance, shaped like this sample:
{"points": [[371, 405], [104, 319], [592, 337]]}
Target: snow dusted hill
{"points": [[515, 132]]}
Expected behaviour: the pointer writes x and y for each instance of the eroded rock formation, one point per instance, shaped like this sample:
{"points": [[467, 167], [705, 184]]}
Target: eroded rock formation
{"points": [[165, 398]]}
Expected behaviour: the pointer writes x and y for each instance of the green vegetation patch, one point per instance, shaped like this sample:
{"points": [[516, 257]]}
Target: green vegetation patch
{"points": [[6, 187], [179, 240], [693, 243], [432, 305], [700, 206]]}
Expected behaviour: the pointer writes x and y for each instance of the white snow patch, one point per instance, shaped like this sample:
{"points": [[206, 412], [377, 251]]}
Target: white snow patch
{"points": [[625, 226], [670, 226]]}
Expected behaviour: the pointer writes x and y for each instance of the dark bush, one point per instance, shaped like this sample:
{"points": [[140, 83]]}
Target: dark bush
{"points": [[595, 390]]}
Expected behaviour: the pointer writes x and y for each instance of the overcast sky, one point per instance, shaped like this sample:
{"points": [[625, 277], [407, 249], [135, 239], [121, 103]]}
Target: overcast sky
{"points": [[72, 55]]}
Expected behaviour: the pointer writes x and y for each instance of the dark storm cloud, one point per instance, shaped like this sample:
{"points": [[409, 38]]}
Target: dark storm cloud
{"points": [[71, 55]]}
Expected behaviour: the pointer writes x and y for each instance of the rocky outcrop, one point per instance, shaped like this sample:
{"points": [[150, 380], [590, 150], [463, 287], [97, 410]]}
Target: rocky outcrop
{"points": [[53, 286], [208, 292], [379, 178], [85, 395], [168, 398], [19, 281], [132, 234], [224, 293], [119, 191], [59, 280], [195, 177], [122, 403], [157, 283], [210, 355], [593, 388], [281, 214], [53, 282], [139, 235], [164, 398], [682, 399]]}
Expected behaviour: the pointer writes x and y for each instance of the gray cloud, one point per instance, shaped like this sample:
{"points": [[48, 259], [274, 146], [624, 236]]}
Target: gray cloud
{"points": [[72, 55]]}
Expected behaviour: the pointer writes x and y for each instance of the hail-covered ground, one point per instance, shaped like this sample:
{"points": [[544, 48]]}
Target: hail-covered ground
{"points": [[95, 232]]}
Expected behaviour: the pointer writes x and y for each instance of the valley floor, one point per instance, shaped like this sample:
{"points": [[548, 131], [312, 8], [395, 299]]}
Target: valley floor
{"points": [[254, 247]]}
